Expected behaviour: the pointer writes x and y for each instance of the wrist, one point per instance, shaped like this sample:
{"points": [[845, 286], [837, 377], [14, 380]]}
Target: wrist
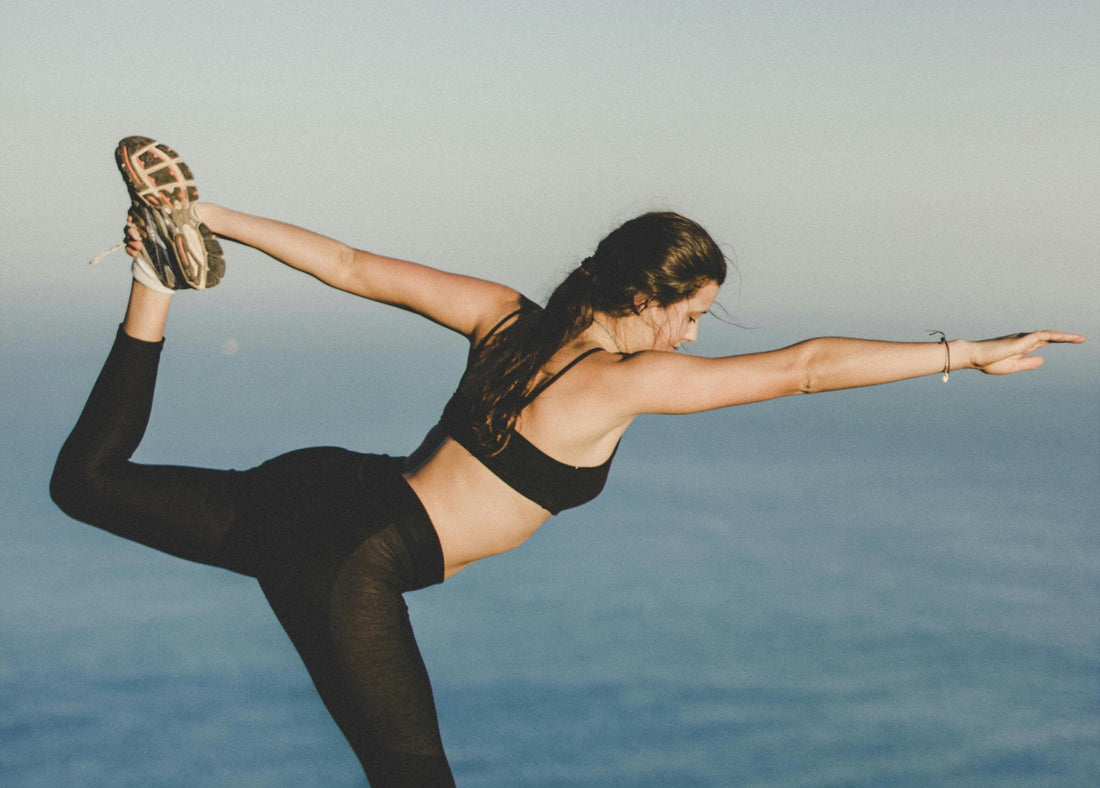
{"points": [[960, 350], [207, 213]]}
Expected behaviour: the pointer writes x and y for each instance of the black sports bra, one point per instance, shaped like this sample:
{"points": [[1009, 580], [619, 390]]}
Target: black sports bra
{"points": [[552, 484]]}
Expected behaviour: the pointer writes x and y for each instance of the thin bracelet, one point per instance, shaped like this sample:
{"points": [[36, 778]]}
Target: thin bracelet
{"points": [[946, 347]]}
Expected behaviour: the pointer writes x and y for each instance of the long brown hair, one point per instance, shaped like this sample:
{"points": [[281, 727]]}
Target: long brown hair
{"points": [[661, 257]]}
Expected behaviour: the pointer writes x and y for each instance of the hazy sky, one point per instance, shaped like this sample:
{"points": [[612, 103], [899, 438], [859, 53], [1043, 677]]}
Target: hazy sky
{"points": [[875, 167]]}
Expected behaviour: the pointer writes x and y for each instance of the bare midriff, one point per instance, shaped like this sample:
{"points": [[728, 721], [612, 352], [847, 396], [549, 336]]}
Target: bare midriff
{"points": [[475, 514]]}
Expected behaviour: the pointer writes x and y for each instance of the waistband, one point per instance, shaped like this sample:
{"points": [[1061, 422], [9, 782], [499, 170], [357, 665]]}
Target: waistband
{"points": [[408, 516]]}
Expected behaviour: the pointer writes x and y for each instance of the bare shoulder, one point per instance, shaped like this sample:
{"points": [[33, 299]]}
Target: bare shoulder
{"points": [[498, 308]]}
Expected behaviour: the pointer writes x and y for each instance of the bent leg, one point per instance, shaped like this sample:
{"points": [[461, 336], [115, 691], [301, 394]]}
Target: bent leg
{"points": [[323, 544], [183, 511]]}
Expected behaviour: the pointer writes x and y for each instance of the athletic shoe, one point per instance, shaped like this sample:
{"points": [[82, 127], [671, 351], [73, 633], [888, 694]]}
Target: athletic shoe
{"points": [[181, 249], [153, 266]]}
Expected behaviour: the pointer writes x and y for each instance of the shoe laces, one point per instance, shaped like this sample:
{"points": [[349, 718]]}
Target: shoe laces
{"points": [[109, 252]]}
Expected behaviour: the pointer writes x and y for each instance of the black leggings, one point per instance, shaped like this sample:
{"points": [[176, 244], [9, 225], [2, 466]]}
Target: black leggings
{"points": [[333, 537]]}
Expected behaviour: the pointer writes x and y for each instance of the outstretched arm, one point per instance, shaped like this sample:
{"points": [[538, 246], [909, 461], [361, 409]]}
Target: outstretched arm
{"points": [[669, 383], [462, 303]]}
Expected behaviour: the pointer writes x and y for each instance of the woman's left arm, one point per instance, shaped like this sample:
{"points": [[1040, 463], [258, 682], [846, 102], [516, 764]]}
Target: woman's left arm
{"points": [[462, 303], [655, 382]]}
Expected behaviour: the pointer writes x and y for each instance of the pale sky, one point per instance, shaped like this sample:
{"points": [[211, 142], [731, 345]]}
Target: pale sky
{"points": [[876, 168]]}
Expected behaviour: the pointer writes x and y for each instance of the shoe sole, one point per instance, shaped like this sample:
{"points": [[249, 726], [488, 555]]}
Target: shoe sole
{"points": [[161, 182]]}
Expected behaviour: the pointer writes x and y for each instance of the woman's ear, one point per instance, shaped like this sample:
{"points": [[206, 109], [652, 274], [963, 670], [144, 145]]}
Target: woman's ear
{"points": [[640, 303]]}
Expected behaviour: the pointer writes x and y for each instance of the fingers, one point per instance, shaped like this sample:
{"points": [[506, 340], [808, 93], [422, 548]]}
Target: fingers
{"points": [[1029, 362], [1050, 335], [1030, 342], [134, 245], [1039, 339], [1013, 353], [1047, 335]]}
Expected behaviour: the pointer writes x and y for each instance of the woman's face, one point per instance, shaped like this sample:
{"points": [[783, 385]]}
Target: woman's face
{"points": [[679, 322]]}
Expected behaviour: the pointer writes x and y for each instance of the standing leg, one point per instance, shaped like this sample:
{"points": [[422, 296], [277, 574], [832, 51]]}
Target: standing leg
{"points": [[360, 651], [343, 537]]}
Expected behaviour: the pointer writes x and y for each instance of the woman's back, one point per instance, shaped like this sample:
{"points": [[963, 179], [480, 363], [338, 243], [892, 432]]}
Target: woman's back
{"points": [[485, 502]]}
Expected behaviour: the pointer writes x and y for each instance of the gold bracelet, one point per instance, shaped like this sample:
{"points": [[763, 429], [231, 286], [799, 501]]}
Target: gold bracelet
{"points": [[946, 347]]}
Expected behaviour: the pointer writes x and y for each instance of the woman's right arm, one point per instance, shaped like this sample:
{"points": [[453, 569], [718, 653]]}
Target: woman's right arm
{"points": [[462, 303], [657, 382]]}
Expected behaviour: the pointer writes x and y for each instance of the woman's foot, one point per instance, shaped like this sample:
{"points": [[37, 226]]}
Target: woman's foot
{"points": [[154, 264], [180, 250]]}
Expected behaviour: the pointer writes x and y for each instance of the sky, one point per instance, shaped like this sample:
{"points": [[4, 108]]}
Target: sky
{"points": [[872, 168], [876, 169]]}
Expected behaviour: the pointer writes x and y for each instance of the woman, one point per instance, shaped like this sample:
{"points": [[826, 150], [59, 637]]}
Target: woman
{"points": [[335, 537]]}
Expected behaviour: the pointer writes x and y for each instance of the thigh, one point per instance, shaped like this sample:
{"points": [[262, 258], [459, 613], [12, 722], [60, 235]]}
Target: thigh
{"points": [[354, 636], [303, 506], [183, 511]]}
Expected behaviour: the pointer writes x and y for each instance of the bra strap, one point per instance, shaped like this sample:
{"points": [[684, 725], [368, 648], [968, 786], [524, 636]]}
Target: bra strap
{"points": [[546, 383], [525, 304]]}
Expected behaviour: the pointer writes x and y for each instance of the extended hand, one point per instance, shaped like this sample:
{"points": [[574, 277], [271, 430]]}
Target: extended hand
{"points": [[1005, 355]]}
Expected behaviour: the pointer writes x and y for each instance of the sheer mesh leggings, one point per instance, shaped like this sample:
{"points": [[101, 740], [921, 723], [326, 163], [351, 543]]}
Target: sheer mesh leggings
{"points": [[327, 533]]}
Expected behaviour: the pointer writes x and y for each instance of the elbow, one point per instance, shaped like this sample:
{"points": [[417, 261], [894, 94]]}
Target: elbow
{"points": [[342, 267], [807, 379], [345, 259]]}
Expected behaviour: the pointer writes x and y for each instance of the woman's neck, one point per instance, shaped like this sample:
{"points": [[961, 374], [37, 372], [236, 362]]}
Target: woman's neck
{"points": [[603, 330]]}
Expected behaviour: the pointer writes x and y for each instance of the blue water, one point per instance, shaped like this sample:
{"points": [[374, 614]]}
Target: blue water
{"points": [[890, 587]]}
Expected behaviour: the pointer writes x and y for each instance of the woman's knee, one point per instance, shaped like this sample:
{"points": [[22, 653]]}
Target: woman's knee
{"points": [[78, 484]]}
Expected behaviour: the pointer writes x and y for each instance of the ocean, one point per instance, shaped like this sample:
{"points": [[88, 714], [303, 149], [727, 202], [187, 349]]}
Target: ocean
{"points": [[896, 586]]}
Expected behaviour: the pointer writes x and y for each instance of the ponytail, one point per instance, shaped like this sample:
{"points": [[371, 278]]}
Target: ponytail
{"points": [[504, 368]]}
